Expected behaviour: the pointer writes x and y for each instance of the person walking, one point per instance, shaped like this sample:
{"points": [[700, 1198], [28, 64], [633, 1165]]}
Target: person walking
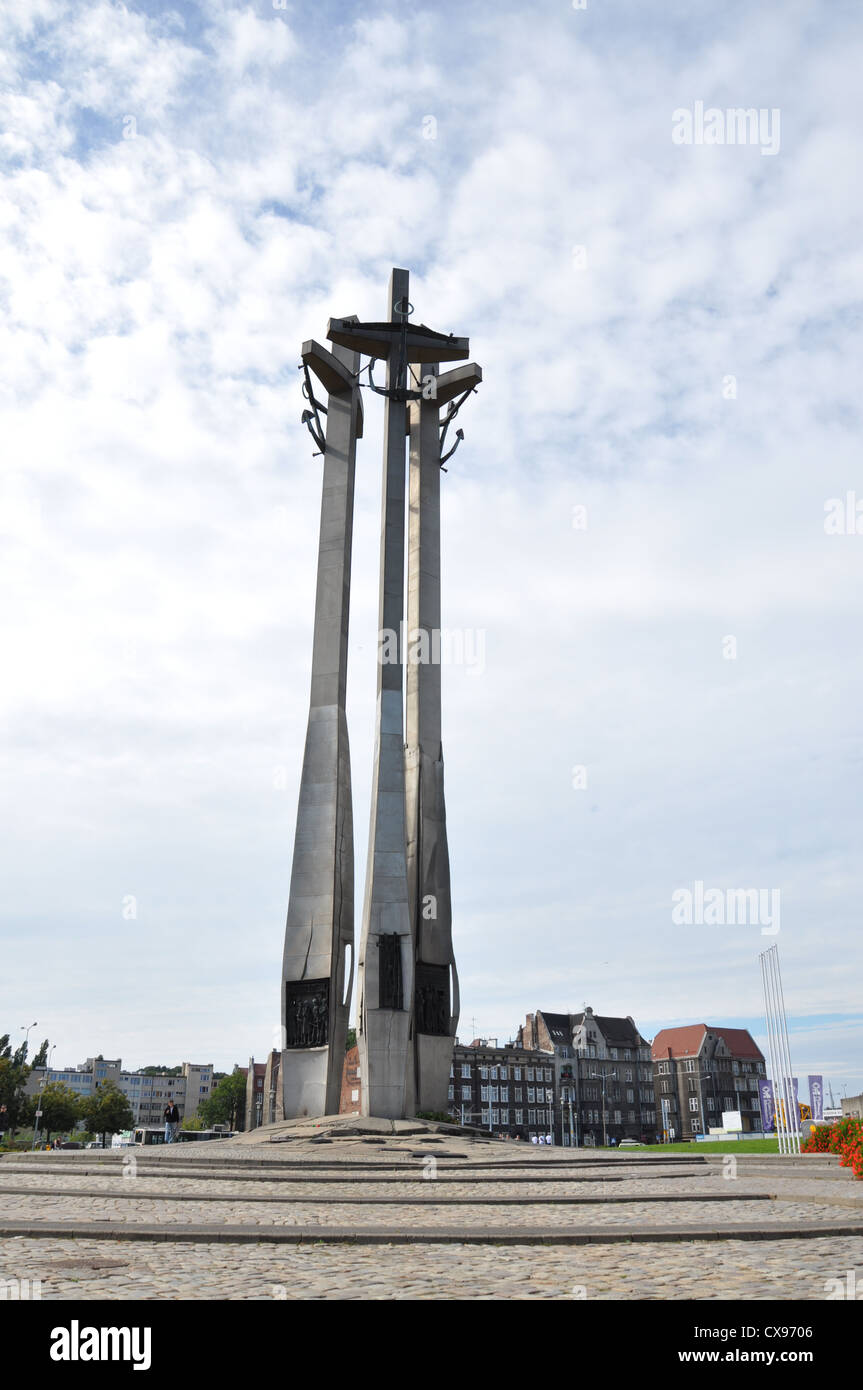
{"points": [[172, 1122]]}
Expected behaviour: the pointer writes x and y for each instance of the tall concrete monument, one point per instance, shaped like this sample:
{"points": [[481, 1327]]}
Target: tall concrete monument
{"points": [[436, 995], [317, 968], [408, 988]]}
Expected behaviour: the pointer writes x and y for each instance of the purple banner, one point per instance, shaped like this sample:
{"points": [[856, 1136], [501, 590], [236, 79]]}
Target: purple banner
{"points": [[816, 1097], [765, 1098], [795, 1115]]}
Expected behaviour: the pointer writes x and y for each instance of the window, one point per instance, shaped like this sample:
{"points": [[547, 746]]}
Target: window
{"points": [[617, 1117], [632, 1117], [483, 1071], [627, 1075], [504, 1093], [548, 1074], [355, 1095], [450, 1095], [494, 1073], [689, 1064], [519, 1117], [530, 1073], [483, 1093], [612, 1052], [504, 1071], [694, 1126], [516, 1073], [531, 1117], [711, 1103], [531, 1095], [465, 1092], [504, 1117], [519, 1092], [693, 1102], [495, 1117], [465, 1069], [484, 1118], [494, 1093]]}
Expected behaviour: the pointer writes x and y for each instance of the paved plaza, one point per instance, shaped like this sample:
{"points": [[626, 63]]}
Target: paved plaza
{"points": [[382, 1210]]}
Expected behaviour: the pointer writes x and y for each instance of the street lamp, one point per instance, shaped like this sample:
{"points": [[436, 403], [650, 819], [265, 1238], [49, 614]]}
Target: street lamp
{"points": [[27, 1029]]}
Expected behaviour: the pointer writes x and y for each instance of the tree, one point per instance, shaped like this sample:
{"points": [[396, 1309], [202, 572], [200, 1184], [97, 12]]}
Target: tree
{"points": [[107, 1110], [13, 1079], [227, 1104], [60, 1106], [161, 1071], [41, 1058], [193, 1122], [351, 1039]]}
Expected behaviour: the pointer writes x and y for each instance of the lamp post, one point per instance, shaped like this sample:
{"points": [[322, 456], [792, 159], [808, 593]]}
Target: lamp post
{"points": [[27, 1029]]}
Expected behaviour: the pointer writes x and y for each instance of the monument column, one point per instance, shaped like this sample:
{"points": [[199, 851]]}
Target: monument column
{"points": [[386, 964], [387, 950], [317, 967], [436, 1006]]}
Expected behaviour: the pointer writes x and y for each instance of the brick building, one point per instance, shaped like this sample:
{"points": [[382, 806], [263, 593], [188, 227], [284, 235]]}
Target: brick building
{"points": [[506, 1090], [351, 1099], [702, 1070]]}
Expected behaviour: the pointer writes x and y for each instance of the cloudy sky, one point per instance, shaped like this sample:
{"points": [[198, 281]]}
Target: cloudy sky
{"points": [[634, 530]]}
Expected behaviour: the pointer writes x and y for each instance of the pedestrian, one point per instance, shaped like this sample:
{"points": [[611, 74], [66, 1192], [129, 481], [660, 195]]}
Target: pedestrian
{"points": [[172, 1122]]}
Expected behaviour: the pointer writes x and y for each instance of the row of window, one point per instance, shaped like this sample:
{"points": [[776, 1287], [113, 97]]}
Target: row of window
{"points": [[691, 1064], [501, 1073], [501, 1117]]}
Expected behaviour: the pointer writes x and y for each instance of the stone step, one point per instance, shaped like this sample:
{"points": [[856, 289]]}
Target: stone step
{"points": [[352, 1235]]}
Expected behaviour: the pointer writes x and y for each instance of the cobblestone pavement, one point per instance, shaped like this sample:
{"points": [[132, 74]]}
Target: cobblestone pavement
{"points": [[517, 1189], [92, 1269]]}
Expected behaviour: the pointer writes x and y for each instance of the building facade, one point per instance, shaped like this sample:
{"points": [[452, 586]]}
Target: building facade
{"points": [[264, 1101], [256, 1073], [603, 1077], [852, 1107], [701, 1071], [509, 1091], [351, 1101], [147, 1095]]}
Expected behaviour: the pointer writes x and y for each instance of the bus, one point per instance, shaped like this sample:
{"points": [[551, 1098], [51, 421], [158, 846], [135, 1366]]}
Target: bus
{"points": [[155, 1134]]}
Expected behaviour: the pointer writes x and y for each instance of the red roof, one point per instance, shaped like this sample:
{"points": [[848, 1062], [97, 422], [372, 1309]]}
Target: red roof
{"points": [[686, 1042]]}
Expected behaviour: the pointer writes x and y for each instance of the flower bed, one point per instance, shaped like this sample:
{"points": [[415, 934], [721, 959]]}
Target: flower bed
{"points": [[844, 1138]]}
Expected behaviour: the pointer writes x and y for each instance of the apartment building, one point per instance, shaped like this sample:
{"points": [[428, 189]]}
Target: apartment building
{"points": [[701, 1071]]}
